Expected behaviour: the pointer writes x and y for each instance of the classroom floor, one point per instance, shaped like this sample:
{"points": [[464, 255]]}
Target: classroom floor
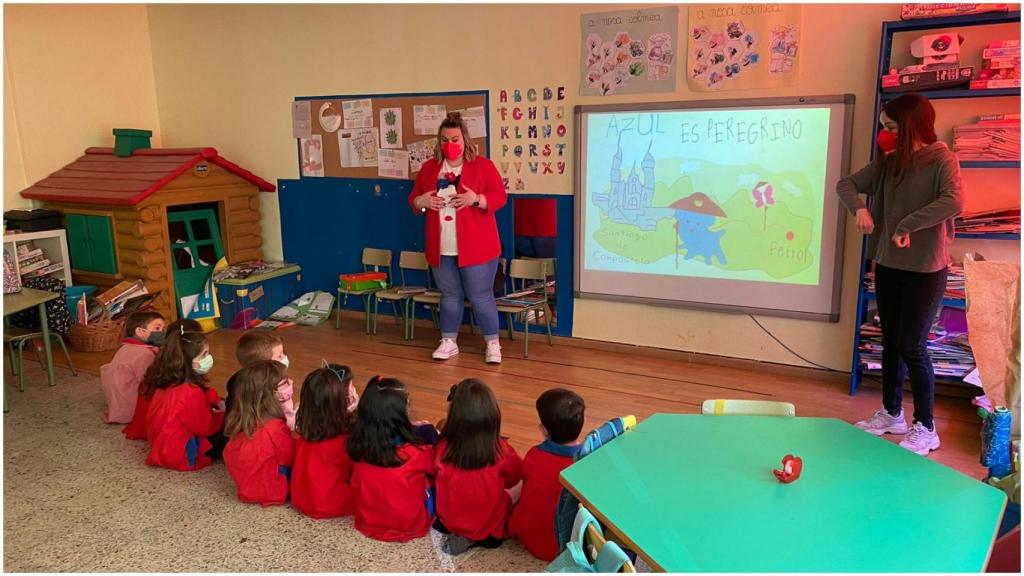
{"points": [[78, 498]]}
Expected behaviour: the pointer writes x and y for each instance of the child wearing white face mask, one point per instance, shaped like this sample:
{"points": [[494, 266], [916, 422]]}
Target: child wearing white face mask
{"points": [[183, 411], [256, 346]]}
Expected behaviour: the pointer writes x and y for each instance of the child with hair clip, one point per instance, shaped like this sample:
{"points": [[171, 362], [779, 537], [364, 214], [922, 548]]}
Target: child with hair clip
{"points": [[320, 477], [136, 428], [261, 450], [479, 474], [391, 468], [120, 378], [182, 411]]}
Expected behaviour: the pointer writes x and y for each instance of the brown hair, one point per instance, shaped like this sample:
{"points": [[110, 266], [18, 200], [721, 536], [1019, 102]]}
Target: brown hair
{"points": [[255, 400], [473, 426], [323, 407], [139, 320], [256, 345], [454, 120], [561, 413], [915, 117], [173, 363]]}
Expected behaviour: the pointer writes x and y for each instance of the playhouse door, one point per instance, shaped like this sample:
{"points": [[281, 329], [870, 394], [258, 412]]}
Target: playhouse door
{"points": [[195, 250]]}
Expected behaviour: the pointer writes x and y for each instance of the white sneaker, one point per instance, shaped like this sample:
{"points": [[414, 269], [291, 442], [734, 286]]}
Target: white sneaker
{"points": [[881, 422], [493, 353], [921, 440], [446, 350]]}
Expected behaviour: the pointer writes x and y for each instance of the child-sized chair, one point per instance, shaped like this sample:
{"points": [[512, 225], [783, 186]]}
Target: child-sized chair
{"points": [[720, 407], [520, 272], [588, 551], [373, 260], [403, 293], [17, 338]]}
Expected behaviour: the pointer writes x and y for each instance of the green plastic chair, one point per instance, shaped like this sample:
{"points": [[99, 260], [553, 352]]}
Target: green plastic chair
{"points": [[374, 259], [720, 407], [16, 338]]}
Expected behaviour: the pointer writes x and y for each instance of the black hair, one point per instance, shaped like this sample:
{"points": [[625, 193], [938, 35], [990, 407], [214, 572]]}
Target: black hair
{"points": [[382, 424], [473, 426], [561, 413]]}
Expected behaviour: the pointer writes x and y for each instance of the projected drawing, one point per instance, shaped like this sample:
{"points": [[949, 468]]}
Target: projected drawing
{"points": [[694, 216]]}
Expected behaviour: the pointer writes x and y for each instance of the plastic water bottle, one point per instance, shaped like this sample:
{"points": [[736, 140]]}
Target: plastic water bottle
{"points": [[995, 442]]}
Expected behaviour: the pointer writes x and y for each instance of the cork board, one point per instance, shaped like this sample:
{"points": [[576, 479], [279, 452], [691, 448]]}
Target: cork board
{"points": [[331, 147]]}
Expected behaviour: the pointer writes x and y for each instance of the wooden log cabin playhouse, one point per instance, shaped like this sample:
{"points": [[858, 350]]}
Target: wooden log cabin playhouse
{"points": [[163, 215]]}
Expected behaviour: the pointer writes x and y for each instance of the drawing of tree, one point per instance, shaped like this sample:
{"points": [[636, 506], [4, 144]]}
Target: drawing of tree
{"points": [[391, 136], [389, 118]]}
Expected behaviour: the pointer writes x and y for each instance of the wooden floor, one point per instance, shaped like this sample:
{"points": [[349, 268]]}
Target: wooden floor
{"points": [[613, 379]]}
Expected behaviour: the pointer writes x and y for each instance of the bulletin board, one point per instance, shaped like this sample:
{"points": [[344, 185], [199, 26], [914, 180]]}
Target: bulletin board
{"points": [[327, 119]]}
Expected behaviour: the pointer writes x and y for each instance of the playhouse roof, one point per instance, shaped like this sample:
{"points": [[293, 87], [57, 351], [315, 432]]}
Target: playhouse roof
{"points": [[100, 177]]}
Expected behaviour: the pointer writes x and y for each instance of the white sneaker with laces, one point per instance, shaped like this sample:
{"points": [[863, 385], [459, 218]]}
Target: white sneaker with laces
{"points": [[921, 440], [446, 350], [882, 422], [493, 354]]}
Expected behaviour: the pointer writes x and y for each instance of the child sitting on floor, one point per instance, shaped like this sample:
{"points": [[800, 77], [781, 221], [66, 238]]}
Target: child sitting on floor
{"points": [[136, 429], [261, 450], [478, 472], [533, 519], [120, 378], [391, 467], [183, 411], [320, 478]]}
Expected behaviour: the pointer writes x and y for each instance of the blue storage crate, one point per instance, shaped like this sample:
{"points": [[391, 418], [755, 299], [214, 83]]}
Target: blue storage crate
{"points": [[73, 294], [263, 292]]}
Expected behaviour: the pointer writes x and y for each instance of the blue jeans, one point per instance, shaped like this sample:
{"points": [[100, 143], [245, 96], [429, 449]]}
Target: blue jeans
{"points": [[473, 282]]}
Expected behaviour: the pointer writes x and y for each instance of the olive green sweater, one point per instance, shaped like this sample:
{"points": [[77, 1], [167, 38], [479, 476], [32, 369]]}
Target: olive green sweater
{"points": [[923, 203]]}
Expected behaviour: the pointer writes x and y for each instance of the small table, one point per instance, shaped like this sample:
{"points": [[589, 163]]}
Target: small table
{"points": [[694, 493], [27, 298]]}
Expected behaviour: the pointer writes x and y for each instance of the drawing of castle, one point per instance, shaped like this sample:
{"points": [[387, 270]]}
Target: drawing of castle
{"points": [[629, 201]]}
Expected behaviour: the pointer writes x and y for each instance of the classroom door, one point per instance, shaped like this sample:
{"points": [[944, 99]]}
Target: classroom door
{"points": [[195, 249]]}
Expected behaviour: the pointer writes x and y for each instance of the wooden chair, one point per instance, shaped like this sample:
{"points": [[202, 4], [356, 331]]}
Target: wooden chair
{"points": [[521, 274], [17, 338], [401, 293], [373, 260], [720, 407]]}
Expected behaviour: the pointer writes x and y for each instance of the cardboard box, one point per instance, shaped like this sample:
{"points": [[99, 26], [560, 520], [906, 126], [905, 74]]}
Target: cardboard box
{"points": [[915, 11], [940, 44], [927, 80]]}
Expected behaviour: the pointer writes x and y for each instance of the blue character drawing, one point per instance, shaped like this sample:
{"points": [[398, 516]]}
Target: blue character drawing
{"points": [[695, 215]]}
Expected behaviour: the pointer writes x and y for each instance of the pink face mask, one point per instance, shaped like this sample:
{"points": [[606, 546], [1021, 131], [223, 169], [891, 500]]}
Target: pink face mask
{"points": [[451, 150], [886, 140]]}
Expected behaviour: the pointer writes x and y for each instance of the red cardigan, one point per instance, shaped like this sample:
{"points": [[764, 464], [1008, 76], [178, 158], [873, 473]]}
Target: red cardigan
{"points": [[533, 519], [474, 503], [476, 229], [320, 478], [391, 503], [255, 464], [178, 421]]}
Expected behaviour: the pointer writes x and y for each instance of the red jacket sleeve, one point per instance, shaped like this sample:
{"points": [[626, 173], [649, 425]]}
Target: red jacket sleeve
{"points": [[493, 187], [512, 465], [423, 184], [199, 418]]}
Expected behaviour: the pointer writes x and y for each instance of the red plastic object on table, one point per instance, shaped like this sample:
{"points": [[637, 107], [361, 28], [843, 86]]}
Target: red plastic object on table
{"points": [[791, 468]]}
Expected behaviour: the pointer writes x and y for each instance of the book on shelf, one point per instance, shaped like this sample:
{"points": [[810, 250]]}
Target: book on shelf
{"points": [[1003, 44], [998, 74], [915, 11], [1009, 52], [34, 265], [22, 257], [942, 78], [991, 84], [121, 291], [55, 267], [1000, 63]]}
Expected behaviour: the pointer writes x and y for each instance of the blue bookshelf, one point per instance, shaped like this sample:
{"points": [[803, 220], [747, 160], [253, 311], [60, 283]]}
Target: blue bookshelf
{"points": [[889, 29]]}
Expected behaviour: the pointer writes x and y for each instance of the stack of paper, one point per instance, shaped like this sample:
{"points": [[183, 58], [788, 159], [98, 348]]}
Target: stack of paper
{"points": [[992, 138], [995, 221]]}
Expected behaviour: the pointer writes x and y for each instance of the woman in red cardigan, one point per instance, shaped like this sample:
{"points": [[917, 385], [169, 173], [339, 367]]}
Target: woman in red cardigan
{"points": [[459, 192]]}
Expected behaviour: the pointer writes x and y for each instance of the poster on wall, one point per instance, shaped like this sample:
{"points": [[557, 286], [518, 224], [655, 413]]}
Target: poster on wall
{"points": [[358, 113], [312, 156], [301, 124], [629, 52], [358, 147], [743, 46], [393, 163], [391, 128], [427, 118], [533, 131]]}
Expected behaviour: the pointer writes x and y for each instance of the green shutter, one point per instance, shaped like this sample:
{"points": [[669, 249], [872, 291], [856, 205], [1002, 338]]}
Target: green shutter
{"points": [[101, 240], [78, 242]]}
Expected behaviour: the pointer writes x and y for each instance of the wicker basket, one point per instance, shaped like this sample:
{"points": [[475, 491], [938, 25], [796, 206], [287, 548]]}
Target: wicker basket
{"points": [[104, 334]]}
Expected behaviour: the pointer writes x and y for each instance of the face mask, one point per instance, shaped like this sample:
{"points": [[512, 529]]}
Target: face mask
{"points": [[886, 140], [155, 338], [451, 150], [205, 364], [284, 360]]}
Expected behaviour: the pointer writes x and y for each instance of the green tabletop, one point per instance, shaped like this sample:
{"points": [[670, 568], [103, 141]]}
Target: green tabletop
{"points": [[27, 298], [696, 493]]}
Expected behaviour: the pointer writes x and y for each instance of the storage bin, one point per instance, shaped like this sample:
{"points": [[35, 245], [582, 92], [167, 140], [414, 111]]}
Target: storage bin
{"points": [[73, 294], [32, 220], [263, 292]]}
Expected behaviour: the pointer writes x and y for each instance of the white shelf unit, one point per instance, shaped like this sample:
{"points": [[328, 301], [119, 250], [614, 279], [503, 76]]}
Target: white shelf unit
{"points": [[54, 244]]}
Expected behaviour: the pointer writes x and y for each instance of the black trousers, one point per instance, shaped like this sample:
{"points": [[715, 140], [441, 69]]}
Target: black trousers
{"points": [[907, 304]]}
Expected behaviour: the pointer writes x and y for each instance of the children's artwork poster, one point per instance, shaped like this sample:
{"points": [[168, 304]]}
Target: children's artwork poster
{"points": [[393, 163], [390, 128], [312, 155], [358, 147], [420, 152], [427, 118], [301, 122], [329, 116], [476, 121], [533, 127], [743, 46], [629, 52], [358, 113]]}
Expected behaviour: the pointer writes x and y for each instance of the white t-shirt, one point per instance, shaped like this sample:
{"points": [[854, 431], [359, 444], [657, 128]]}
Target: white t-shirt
{"points": [[449, 239]]}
